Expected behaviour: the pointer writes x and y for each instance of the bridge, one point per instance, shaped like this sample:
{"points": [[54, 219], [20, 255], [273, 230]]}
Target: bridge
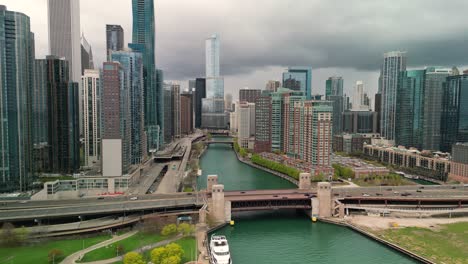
{"points": [[218, 132], [209, 142]]}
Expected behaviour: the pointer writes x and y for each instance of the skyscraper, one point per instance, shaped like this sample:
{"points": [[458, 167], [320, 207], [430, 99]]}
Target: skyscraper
{"points": [[394, 63], [132, 66], [114, 39], [213, 115], [168, 114], [272, 86], [16, 75], [175, 90], [263, 123], [40, 120], [433, 93], [91, 84], [143, 40], [116, 130], [454, 127], [200, 93], [62, 112], [186, 113], [333, 87], [246, 123], [87, 62], [249, 95], [64, 38], [228, 102], [299, 79]]}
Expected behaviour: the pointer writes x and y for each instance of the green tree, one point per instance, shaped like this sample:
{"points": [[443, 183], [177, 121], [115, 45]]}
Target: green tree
{"points": [[185, 229], [174, 249], [172, 260], [209, 136], [54, 255], [158, 255], [133, 258], [169, 230], [8, 236]]}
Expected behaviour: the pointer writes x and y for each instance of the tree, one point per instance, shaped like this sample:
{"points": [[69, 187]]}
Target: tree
{"points": [[185, 229], [8, 236], [193, 165], [174, 249], [158, 255], [133, 258], [172, 260], [120, 249], [54, 255], [169, 230]]}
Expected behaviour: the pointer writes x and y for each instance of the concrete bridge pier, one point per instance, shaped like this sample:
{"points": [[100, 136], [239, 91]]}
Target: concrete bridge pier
{"points": [[211, 181], [218, 210], [325, 199], [304, 181]]}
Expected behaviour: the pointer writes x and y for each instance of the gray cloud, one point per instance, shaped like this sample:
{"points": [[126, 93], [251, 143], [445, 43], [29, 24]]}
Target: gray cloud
{"points": [[259, 38]]}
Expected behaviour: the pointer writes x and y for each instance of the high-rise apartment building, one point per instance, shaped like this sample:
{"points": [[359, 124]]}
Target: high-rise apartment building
{"points": [[143, 40], [263, 106], [394, 63], [175, 90], [87, 62], [249, 95], [433, 93], [454, 127], [186, 113], [272, 86], [333, 87], [17, 76], [299, 79], [459, 163], [228, 102], [213, 115], [64, 39], [290, 141], [360, 100], [91, 84], [116, 128], [246, 125], [168, 119], [410, 109], [131, 63], [378, 109], [40, 115], [200, 93], [62, 113], [114, 39]]}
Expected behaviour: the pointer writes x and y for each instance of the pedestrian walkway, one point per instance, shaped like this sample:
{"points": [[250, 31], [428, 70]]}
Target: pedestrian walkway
{"points": [[79, 254]]}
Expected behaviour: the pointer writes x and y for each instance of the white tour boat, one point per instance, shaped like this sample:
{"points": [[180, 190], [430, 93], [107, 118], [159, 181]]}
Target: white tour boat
{"points": [[219, 250]]}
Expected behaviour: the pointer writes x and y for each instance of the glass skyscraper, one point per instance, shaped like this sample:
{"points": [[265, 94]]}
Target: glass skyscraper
{"points": [[144, 36], [333, 87], [114, 39], [394, 63], [16, 77], [299, 79]]}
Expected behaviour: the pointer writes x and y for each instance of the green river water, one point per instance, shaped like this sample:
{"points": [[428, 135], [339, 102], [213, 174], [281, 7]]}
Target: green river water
{"points": [[284, 237]]}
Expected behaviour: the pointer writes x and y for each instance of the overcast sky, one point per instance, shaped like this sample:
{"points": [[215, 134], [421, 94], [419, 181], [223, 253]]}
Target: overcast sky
{"points": [[260, 38]]}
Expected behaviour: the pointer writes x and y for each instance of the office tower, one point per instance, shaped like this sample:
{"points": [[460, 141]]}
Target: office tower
{"points": [[289, 141], [409, 111], [299, 79], [186, 113], [263, 123], [39, 104], [116, 130], [200, 93], [272, 86], [191, 85], [459, 163], [213, 115], [246, 124], [333, 87], [131, 63], [16, 75], [338, 109], [91, 84], [454, 127], [249, 95], [143, 40], [87, 62], [175, 90], [62, 111], [228, 102], [114, 39], [64, 39], [359, 98], [168, 113], [394, 63], [378, 109], [312, 132], [360, 122], [433, 93]]}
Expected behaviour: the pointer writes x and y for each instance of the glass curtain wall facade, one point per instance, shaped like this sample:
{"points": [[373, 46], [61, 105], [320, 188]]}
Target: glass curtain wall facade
{"points": [[333, 87], [114, 39], [299, 79], [16, 84]]}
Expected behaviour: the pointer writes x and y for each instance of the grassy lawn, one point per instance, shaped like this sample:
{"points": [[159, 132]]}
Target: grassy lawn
{"points": [[443, 244], [37, 253], [131, 243], [390, 180]]}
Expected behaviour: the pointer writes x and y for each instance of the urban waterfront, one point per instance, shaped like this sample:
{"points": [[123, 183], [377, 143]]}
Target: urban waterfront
{"points": [[284, 236]]}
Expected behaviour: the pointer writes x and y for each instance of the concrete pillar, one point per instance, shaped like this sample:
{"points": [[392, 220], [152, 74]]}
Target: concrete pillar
{"points": [[315, 207], [217, 197], [342, 210], [227, 211], [325, 199], [304, 181], [202, 216], [211, 180]]}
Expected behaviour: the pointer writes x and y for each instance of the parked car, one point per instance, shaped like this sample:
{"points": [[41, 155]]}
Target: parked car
{"points": [[365, 194], [134, 198]]}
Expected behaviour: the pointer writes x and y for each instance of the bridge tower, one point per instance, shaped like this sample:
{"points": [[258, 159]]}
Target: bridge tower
{"points": [[304, 181], [211, 181], [325, 199], [217, 196]]}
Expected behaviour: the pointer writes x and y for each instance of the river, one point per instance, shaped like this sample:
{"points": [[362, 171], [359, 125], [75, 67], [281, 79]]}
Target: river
{"points": [[284, 237]]}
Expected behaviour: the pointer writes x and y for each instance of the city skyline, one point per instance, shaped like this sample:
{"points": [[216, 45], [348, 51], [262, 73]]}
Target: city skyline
{"points": [[325, 62]]}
